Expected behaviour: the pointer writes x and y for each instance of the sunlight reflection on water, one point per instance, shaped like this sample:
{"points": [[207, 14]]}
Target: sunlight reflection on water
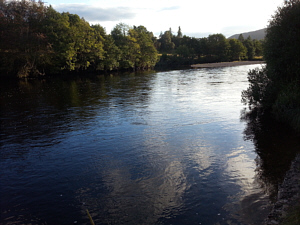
{"points": [[161, 148]]}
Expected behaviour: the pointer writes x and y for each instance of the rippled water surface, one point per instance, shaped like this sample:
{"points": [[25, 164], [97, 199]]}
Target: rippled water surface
{"points": [[155, 148]]}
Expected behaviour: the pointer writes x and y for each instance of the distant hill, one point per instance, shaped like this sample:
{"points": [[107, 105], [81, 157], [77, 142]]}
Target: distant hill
{"points": [[258, 34]]}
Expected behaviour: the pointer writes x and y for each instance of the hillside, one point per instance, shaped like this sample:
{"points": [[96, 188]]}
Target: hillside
{"points": [[258, 34]]}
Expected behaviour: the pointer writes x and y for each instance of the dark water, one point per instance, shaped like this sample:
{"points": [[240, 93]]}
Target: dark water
{"points": [[158, 148]]}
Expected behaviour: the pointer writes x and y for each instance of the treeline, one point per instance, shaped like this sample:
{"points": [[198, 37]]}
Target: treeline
{"points": [[184, 50], [275, 89], [36, 40]]}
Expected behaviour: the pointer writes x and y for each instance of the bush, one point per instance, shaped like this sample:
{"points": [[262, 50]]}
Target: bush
{"points": [[287, 105], [258, 80]]}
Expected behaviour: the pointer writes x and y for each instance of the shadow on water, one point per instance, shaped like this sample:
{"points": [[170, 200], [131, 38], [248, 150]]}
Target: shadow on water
{"points": [[37, 117], [37, 108], [276, 146]]}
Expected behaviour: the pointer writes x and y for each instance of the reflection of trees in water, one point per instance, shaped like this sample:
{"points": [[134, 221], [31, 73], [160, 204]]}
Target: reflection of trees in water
{"points": [[275, 144], [40, 112]]}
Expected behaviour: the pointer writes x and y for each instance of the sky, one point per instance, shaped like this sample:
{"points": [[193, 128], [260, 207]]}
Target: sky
{"points": [[196, 18]]}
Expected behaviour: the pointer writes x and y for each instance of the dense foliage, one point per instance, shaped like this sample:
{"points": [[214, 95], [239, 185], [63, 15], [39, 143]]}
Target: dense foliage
{"points": [[184, 50], [277, 86], [36, 40]]}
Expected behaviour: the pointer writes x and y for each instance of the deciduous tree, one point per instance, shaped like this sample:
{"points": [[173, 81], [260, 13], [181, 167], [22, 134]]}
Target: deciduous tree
{"points": [[248, 43], [278, 85], [218, 46], [165, 39], [237, 50], [148, 54], [23, 48]]}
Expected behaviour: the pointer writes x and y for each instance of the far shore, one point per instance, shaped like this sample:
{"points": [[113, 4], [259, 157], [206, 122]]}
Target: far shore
{"points": [[225, 64]]}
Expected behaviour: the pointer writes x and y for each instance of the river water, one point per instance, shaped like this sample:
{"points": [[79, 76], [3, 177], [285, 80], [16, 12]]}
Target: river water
{"points": [[152, 148]]}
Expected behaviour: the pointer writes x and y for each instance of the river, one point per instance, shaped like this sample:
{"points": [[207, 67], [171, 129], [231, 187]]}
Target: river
{"points": [[172, 147]]}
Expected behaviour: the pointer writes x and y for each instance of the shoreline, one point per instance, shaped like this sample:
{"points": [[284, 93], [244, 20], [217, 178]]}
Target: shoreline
{"points": [[226, 64], [288, 194]]}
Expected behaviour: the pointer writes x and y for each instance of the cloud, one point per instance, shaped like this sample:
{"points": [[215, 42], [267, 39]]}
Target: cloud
{"points": [[170, 8], [197, 34], [96, 13]]}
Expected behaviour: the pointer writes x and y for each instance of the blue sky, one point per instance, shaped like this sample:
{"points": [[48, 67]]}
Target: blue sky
{"points": [[196, 18]]}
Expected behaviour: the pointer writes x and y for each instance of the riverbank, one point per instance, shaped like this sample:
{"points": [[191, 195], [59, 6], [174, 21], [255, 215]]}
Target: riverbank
{"points": [[225, 64], [288, 198]]}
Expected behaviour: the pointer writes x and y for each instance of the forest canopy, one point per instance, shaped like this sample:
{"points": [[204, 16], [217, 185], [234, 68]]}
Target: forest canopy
{"points": [[38, 40]]}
